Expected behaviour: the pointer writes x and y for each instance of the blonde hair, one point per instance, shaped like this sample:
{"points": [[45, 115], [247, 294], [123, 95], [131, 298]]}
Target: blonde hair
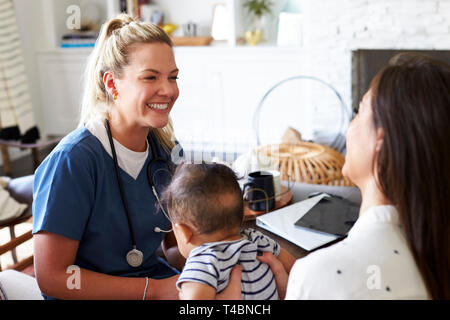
{"points": [[111, 54]]}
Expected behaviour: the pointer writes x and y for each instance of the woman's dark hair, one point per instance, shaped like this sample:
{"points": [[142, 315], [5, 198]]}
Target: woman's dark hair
{"points": [[206, 196], [411, 103]]}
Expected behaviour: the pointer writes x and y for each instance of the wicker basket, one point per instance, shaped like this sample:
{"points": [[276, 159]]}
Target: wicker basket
{"points": [[306, 162]]}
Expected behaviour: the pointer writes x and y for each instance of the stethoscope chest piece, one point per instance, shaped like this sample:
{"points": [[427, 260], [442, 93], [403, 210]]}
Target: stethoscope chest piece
{"points": [[135, 257]]}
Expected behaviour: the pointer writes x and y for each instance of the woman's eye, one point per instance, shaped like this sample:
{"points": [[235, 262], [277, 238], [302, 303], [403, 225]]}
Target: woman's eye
{"points": [[174, 78], [150, 78]]}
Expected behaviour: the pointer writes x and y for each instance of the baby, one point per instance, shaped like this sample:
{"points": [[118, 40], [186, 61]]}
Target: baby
{"points": [[205, 206]]}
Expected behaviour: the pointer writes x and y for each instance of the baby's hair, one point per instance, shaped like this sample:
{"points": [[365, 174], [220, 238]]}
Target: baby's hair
{"points": [[204, 196]]}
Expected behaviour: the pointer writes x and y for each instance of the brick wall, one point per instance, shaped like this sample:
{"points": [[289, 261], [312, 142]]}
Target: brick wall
{"points": [[332, 28]]}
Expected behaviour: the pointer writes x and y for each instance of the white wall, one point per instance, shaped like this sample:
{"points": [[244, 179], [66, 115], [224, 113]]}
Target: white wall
{"points": [[28, 14], [32, 35]]}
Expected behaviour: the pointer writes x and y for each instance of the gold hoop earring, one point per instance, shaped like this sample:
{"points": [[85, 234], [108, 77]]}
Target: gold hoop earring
{"points": [[115, 96]]}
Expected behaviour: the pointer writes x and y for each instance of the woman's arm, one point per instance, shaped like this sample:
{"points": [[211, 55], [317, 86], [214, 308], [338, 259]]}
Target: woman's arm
{"points": [[279, 271], [53, 254], [286, 259], [196, 291]]}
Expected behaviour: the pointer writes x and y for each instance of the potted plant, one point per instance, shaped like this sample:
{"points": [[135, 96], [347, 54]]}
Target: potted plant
{"points": [[258, 10]]}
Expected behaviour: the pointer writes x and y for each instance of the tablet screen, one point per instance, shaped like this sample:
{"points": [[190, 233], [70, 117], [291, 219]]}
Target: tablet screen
{"points": [[332, 215]]}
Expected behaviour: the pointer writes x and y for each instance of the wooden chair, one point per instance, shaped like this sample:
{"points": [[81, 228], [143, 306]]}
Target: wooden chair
{"points": [[6, 144], [21, 189], [16, 241]]}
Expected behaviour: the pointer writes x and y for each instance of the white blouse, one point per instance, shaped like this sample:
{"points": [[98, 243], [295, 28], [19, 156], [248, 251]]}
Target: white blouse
{"points": [[373, 262]]}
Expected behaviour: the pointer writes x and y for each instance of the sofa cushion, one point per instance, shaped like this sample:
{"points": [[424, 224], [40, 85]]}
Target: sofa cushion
{"points": [[16, 285]]}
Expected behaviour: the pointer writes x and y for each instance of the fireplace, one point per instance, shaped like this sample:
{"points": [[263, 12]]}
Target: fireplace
{"points": [[366, 64]]}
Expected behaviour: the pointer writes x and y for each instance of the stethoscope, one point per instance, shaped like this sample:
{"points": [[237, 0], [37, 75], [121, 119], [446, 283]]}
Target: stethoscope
{"points": [[135, 257]]}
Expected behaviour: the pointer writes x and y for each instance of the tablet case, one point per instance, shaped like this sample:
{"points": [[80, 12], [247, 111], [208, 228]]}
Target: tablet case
{"points": [[332, 215], [282, 223]]}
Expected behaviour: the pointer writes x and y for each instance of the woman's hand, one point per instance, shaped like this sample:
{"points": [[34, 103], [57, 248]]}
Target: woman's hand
{"points": [[281, 276], [163, 289], [170, 248], [233, 291], [53, 254]]}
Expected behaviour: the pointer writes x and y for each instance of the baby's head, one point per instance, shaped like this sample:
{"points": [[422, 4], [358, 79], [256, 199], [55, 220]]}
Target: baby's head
{"points": [[203, 200]]}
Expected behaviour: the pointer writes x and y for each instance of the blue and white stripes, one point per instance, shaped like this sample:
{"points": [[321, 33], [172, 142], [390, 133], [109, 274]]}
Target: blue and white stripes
{"points": [[211, 264]]}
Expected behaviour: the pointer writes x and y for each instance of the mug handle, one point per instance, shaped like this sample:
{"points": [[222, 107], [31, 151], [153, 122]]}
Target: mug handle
{"points": [[257, 189], [248, 184]]}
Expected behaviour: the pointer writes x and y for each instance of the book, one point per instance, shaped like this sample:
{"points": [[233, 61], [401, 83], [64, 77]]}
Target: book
{"points": [[77, 45], [81, 39]]}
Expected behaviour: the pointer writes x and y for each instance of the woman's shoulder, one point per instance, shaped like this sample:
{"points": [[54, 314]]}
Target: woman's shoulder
{"points": [[79, 139], [77, 147], [79, 144], [357, 268], [329, 273], [323, 260]]}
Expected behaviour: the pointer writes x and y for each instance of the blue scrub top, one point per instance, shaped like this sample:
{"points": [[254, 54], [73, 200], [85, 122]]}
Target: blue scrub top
{"points": [[76, 195]]}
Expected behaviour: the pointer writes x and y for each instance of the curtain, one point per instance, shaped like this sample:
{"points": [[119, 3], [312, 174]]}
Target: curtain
{"points": [[16, 111]]}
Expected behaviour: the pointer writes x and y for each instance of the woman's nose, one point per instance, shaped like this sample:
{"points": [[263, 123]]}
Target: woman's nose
{"points": [[167, 88]]}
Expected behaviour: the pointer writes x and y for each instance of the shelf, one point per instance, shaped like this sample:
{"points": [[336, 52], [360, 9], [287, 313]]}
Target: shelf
{"points": [[179, 12]]}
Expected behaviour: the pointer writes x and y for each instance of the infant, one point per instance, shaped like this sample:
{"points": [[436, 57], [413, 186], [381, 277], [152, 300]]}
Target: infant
{"points": [[205, 206]]}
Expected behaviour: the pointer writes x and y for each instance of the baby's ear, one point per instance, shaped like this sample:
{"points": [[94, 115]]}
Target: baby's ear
{"points": [[185, 231]]}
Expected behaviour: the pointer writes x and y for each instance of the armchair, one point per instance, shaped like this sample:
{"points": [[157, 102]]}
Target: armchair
{"points": [[14, 283]]}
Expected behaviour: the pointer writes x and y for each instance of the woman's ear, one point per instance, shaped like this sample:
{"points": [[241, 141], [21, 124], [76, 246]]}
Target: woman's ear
{"points": [[379, 140], [108, 80], [184, 231]]}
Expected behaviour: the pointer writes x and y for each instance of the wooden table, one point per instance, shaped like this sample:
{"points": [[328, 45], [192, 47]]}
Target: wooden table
{"points": [[300, 191]]}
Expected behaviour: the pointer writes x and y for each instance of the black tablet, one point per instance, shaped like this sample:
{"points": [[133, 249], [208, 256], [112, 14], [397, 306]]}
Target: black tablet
{"points": [[331, 214]]}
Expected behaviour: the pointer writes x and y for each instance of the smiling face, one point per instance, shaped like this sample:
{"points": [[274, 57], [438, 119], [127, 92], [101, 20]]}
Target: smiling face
{"points": [[147, 89]]}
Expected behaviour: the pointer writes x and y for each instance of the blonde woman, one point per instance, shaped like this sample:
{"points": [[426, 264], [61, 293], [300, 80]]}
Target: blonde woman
{"points": [[97, 219]]}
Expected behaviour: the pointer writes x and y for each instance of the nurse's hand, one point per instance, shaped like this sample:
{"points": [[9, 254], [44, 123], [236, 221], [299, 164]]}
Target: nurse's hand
{"points": [[233, 290], [171, 252]]}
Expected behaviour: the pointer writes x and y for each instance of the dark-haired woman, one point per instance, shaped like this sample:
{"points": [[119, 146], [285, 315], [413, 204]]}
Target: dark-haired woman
{"points": [[398, 154]]}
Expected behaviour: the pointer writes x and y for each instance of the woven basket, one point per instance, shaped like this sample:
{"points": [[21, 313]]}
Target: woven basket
{"points": [[307, 162]]}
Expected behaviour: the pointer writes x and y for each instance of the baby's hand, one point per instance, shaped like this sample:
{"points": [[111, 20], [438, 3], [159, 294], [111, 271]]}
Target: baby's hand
{"points": [[281, 276]]}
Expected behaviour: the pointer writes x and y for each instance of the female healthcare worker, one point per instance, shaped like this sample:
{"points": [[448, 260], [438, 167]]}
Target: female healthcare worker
{"points": [[95, 196]]}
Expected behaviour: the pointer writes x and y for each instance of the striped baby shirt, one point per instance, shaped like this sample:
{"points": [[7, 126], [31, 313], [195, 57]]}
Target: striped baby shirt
{"points": [[211, 264]]}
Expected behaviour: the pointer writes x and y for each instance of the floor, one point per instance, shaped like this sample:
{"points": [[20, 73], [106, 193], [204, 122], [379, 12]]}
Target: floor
{"points": [[20, 167]]}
